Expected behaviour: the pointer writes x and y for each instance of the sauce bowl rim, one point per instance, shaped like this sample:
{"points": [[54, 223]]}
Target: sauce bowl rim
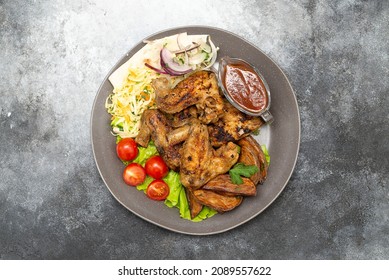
{"points": [[220, 71]]}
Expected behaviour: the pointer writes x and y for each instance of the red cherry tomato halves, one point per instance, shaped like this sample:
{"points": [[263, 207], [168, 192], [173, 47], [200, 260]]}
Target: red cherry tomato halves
{"points": [[157, 190], [126, 149], [134, 174], [156, 167]]}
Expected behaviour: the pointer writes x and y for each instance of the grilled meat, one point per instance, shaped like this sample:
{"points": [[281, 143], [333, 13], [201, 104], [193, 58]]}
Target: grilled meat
{"points": [[217, 201], [199, 89], [222, 184], [200, 162], [184, 117], [154, 124], [178, 135], [232, 126], [251, 154], [143, 137], [194, 205]]}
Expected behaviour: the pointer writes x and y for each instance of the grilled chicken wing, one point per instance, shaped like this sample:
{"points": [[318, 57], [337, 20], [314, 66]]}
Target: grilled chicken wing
{"points": [[184, 117], [154, 124], [199, 89], [200, 162], [178, 135], [251, 154], [144, 134], [232, 126]]}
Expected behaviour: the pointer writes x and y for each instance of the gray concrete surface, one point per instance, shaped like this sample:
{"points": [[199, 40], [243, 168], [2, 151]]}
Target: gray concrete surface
{"points": [[53, 57]]}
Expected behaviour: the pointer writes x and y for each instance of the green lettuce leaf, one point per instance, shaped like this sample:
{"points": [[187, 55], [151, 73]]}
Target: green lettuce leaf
{"points": [[266, 152], [205, 213], [145, 153], [183, 205], [177, 198], [173, 181], [145, 184]]}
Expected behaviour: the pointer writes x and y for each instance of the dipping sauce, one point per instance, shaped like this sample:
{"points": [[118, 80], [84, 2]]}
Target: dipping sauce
{"points": [[245, 86]]}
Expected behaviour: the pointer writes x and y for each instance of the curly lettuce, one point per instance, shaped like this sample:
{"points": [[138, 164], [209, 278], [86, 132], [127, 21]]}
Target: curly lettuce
{"points": [[177, 198]]}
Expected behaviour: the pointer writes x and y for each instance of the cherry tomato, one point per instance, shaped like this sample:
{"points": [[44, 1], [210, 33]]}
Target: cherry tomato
{"points": [[156, 167], [127, 149], [134, 174], [157, 190]]}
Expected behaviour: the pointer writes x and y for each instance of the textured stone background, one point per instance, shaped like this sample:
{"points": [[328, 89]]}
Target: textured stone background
{"points": [[53, 57]]}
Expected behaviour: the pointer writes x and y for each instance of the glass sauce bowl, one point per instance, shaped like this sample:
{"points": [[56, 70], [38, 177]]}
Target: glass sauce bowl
{"points": [[245, 87]]}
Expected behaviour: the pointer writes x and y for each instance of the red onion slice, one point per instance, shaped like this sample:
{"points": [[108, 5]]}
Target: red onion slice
{"points": [[155, 69], [170, 66]]}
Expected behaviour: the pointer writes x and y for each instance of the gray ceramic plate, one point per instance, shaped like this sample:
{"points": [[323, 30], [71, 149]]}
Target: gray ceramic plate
{"points": [[282, 138]]}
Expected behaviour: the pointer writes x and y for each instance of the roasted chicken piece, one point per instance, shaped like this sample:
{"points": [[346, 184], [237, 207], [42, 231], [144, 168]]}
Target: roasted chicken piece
{"points": [[232, 126], [178, 135], [251, 154], [181, 122], [184, 117], [145, 129], [154, 124], [199, 89], [220, 203], [200, 162], [222, 184]]}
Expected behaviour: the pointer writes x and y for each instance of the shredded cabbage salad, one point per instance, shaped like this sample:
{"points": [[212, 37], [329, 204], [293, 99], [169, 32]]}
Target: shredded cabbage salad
{"points": [[127, 104]]}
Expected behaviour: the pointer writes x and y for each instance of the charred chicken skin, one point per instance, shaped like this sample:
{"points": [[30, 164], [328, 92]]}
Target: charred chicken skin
{"points": [[199, 89], [232, 126], [200, 162], [155, 125]]}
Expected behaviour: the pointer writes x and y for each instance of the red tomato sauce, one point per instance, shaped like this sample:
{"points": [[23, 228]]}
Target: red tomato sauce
{"points": [[245, 87]]}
